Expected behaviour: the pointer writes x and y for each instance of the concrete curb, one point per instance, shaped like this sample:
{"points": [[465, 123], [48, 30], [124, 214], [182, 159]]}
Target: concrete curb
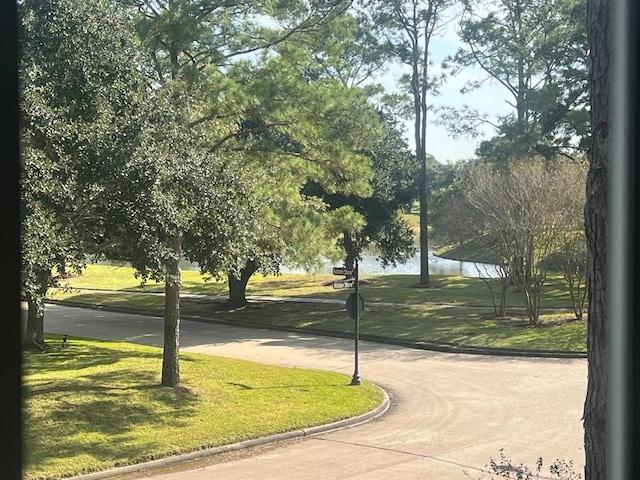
{"points": [[304, 432]]}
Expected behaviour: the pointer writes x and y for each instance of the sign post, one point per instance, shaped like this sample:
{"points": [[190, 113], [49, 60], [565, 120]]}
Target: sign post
{"points": [[355, 379], [355, 306], [352, 308]]}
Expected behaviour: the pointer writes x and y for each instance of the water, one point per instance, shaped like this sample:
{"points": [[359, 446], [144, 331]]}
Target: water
{"points": [[437, 266]]}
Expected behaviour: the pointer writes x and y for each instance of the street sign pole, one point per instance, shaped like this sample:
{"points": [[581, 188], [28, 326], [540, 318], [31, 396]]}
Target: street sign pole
{"points": [[355, 380]]}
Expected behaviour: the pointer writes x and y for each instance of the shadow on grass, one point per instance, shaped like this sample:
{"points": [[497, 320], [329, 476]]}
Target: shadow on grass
{"points": [[77, 397], [457, 324], [243, 386], [443, 324], [76, 355]]}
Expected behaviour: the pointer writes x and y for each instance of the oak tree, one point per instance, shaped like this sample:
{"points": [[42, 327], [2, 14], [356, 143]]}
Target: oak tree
{"points": [[78, 87]]}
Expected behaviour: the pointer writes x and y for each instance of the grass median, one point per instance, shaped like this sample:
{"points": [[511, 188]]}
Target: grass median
{"points": [[94, 405], [454, 310]]}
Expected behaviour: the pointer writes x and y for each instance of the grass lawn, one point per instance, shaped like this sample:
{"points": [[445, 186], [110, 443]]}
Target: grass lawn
{"points": [[454, 310], [94, 405]]}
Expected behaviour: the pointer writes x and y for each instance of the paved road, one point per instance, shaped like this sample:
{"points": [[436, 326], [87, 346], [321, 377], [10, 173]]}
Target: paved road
{"points": [[450, 413]]}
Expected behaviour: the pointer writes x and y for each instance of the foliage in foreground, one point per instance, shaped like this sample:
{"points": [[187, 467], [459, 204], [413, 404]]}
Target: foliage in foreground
{"points": [[504, 468]]}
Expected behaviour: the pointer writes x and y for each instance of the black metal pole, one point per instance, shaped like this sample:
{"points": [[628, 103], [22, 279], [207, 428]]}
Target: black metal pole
{"points": [[355, 380]]}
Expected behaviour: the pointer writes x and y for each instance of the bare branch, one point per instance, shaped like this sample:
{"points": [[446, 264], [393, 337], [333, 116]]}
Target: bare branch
{"points": [[306, 25]]}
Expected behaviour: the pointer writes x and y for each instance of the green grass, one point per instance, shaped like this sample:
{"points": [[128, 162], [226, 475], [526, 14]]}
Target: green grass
{"points": [[413, 218], [454, 310], [402, 289], [95, 405]]}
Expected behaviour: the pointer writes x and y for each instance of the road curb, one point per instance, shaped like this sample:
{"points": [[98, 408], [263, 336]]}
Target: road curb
{"points": [[187, 457]]}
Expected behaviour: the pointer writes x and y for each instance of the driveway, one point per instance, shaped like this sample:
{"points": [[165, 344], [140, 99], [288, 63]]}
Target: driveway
{"points": [[449, 415]]}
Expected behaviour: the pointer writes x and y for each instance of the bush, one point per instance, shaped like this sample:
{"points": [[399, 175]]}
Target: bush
{"points": [[504, 468]]}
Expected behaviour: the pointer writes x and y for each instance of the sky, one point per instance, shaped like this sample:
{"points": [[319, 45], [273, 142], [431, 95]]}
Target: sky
{"points": [[490, 99]]}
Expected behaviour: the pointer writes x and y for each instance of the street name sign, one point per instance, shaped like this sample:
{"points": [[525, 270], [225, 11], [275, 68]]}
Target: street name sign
{"points": [[342, 271], [344, 284]]}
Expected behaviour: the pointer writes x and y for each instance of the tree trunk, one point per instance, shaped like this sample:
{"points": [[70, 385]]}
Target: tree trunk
{"points": [[530, 256], [422, 200], [423, 195], [170, 357], [504, 285], [238, 286], [424, 235], [596, 225], [349, 248], [34, 335], [418, 83]]}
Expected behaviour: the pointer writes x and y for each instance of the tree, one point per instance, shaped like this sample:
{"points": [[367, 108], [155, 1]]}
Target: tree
{"points": [[522, 216], [555, 212], [174, 200], [573, 265], [570, 257], [394, 186], [304, 119], [320, 138], [127, 174], [457, 225], [69, 116], [597, 233], [537, 50], [451, 225], [408, 28]]}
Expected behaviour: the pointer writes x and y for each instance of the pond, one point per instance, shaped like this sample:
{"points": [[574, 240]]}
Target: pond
{"points": [[437, 266]]}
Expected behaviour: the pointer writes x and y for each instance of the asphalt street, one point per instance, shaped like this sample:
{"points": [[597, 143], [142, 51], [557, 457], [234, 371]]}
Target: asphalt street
{"points": [[449, 413]]}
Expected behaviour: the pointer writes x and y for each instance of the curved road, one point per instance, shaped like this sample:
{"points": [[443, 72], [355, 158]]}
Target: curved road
{"points": [[449, 415]]}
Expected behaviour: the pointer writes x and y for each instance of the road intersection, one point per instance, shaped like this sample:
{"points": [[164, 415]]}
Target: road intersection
{"points": [[449, 413]]}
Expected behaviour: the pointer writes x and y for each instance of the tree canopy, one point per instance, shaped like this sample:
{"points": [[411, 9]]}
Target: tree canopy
{"points": [[78, 89], [395, 186], [537, 51]]}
